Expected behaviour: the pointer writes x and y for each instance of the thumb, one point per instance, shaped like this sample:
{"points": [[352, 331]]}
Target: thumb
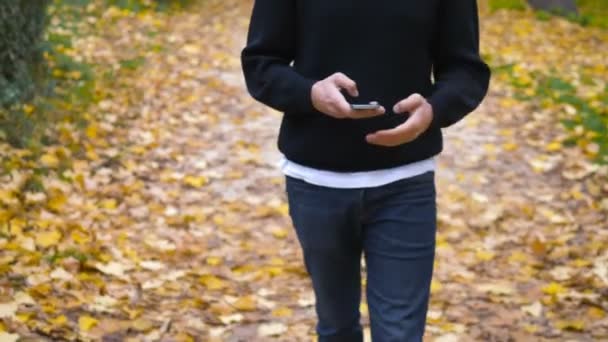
{"points": [[342, 81], [409, 104]]}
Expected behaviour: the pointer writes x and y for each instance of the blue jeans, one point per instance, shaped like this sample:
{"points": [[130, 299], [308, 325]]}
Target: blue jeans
{"points": [[394, 226]]}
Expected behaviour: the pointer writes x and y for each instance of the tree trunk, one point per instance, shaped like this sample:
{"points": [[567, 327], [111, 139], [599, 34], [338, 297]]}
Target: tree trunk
{"points": [[22, 23], [560, 6]]}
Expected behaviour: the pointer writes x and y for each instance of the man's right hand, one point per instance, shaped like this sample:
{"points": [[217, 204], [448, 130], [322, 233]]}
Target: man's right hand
{"points": [[326, 98]]}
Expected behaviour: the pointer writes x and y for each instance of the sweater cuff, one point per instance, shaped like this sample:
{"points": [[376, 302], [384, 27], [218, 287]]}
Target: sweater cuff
{"points": [[437, 103], [303, 95]]}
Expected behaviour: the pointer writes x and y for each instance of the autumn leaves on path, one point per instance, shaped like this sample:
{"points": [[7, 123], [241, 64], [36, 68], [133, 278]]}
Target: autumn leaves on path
{"points": [[176, 226]]}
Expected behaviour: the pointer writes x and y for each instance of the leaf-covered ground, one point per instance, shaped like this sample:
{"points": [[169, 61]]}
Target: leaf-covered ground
{"points": [[173, 225]]}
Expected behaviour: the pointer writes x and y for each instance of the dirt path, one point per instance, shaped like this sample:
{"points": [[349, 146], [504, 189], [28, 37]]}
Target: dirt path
{"points": [[203, 247], [504, 227]]}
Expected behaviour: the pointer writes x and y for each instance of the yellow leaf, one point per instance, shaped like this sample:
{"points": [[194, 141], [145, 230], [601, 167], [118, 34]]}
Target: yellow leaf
{"points": [[246, 303], [282, 312], [435, 286], [91, 131], [518, 256], [576, 325], [240, 270], [49, 160], [183, 337], [80, 237], [75, 75], [283, 209], [42, 289], [143, 325], [59, 320], [2, 327], [195, 181], [507, 102], [554, 289], [364, 309], [581, 263], [91, 153], [24, 317], [212, 282], [596, 313], [484, 255], [279, 233], [28, 109], [48, 238], [554, 146], [274, 270], [109, 204], [510, 146], [56, 200], [86, 323], [214, 261]]}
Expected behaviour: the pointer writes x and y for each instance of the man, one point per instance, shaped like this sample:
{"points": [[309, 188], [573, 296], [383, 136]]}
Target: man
{"points": [[362, 181]]}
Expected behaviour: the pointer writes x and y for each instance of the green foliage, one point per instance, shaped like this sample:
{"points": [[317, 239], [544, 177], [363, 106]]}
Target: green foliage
{"points": [[507, 4], [543, 15], [21, 26], [141, 5], [40, 84], [56, 257], [592, 12], [588, 124]]}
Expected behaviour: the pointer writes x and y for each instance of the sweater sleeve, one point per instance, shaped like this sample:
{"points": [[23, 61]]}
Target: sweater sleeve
{"points": [[266, 58], [461, 76]]}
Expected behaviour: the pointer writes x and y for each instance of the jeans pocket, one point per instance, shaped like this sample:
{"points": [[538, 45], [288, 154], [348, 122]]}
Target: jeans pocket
{"points": [[293, 184]]}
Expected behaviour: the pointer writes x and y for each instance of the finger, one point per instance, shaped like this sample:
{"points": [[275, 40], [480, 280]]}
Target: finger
{"points": [[343, 82], [401, 134], [342, 107], [339, 103], [368, 113], [409, 104]]}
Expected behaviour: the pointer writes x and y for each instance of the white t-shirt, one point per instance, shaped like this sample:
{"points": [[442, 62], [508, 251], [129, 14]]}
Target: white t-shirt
{"points": [[349, 180]]}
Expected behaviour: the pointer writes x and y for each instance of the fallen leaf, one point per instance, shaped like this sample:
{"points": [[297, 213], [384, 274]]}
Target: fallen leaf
{"points": [[47, 239], [247, 303], [497, 289], [282, 312], [113, 268], [61, 274], [7, 310], [230, 319], [85, 323], [574, 325], [212, 282], [535, 309], [554, 289], [271, 329], [152, 265], [7, 337]]}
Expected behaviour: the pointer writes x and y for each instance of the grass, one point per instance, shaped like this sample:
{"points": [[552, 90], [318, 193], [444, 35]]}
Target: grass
{"points": [[586, 126], [591, 12]]}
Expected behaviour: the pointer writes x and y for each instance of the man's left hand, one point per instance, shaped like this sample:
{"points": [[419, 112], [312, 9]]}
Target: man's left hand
{"points": [[416, 124]]}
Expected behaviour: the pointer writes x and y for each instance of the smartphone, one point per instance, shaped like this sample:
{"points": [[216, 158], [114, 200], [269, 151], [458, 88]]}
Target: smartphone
{"points": [[366, 106]]}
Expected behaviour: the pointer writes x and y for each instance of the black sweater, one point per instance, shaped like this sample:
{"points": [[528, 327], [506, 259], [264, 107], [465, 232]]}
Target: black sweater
{"points": [[390, 48]]}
